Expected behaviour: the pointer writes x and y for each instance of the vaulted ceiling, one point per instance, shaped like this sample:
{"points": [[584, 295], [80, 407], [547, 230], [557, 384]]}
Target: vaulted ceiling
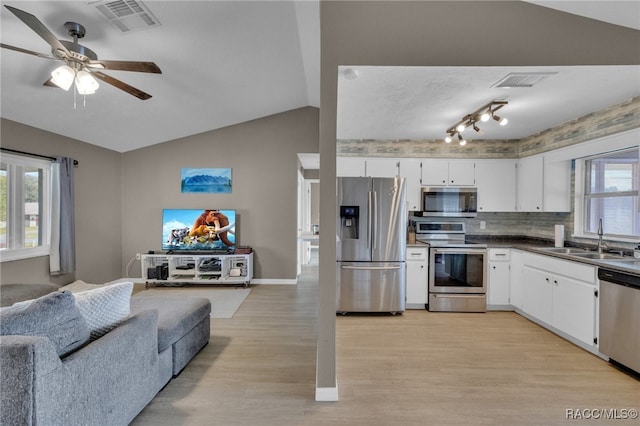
{"points": [[222, 63]]}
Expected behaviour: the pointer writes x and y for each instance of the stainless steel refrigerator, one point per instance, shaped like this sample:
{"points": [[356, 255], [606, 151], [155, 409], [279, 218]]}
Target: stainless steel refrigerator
{"points": [[371, 244]]}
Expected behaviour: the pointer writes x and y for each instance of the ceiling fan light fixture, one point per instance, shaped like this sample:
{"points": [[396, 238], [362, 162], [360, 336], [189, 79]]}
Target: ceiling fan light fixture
{"points": [[63, 76], [86, 83]]}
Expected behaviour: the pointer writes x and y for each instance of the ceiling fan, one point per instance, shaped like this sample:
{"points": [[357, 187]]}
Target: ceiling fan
{"points": [[81, 63]]}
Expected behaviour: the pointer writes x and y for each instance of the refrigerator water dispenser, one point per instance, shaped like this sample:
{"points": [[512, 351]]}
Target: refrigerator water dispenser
{"points": [[349, 221]]}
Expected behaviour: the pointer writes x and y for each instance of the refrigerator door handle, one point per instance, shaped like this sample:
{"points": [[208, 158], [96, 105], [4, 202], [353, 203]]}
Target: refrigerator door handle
{"points": [[369, 221], [375, 220], [373, 268]]}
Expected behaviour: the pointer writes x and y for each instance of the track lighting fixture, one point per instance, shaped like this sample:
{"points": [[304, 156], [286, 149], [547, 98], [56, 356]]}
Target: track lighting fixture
{"points": [[471, 120]]}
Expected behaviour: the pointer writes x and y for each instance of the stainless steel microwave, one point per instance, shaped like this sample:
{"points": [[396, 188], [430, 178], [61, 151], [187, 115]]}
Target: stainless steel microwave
{"points": [[449, 201]]}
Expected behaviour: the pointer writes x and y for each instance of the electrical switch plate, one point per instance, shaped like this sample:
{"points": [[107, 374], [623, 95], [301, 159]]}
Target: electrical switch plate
{"points": [[483, 224]]}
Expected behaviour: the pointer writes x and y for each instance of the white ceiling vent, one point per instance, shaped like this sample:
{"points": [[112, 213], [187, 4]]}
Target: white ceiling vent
{"points": [[522, 79], [127, 15]]}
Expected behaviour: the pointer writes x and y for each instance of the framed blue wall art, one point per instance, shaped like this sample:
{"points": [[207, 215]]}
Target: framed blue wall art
{"points": [[210, 181]]}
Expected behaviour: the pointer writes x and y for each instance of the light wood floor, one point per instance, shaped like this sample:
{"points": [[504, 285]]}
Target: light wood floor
{"points": [[419, 368]]}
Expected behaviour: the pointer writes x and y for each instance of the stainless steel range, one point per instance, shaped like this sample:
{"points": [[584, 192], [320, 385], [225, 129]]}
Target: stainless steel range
{"points": [[457, 268]]}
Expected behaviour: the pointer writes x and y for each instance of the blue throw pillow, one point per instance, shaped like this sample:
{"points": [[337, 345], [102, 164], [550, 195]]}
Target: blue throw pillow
{"points": [[54, 315]]}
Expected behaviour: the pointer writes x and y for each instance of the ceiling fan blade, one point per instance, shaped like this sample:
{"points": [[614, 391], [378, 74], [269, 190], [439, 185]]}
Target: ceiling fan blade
{"points": [[40, 29], [121, 85], [50, 83], [30, 52], [125, 66]]}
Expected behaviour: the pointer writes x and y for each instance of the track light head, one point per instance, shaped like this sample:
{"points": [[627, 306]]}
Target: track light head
{"points": [[501, 120]]}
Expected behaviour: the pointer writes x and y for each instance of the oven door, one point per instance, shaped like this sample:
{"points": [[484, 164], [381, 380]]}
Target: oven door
{"points": [[457, 270]]}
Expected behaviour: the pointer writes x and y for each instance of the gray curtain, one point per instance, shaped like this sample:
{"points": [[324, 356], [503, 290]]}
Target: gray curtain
{"points": [[63, 242]]}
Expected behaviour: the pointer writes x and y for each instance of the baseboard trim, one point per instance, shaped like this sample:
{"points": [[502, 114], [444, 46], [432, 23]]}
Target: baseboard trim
{"points": [[327, 394], [269, 281]]}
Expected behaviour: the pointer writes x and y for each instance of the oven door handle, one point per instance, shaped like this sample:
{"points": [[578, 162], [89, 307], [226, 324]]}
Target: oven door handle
{"points": [[460, 250]]}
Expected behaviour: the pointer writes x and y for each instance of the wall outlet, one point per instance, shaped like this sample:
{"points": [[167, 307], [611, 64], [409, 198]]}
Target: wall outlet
{"points": [[137, 256], [483, 224]]}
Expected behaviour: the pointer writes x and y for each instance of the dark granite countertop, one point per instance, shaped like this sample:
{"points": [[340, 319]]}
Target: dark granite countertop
{"points": [[538, 246]]}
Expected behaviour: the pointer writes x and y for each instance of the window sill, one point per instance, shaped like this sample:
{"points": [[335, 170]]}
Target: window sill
{"points": [[21, 254]]}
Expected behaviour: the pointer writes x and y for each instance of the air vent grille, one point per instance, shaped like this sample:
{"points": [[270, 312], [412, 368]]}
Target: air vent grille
{"points": [[127, 15], [521, 79]]}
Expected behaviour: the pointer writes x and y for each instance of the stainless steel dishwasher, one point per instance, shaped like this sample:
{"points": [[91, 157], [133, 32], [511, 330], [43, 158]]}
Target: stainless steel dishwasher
{"points": [[620, 317]]}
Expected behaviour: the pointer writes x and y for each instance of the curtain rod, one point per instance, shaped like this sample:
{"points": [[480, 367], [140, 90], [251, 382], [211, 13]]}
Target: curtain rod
{"points": [[15, 151]]}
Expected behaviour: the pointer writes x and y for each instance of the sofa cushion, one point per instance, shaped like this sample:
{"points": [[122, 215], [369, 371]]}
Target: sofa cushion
{"points": [[103, 308], [79, 285], [54, 315], [176, 317]]}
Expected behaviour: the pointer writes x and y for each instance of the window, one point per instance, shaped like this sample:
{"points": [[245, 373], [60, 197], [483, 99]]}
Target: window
{"points": [[24, 207], [611, 194]]}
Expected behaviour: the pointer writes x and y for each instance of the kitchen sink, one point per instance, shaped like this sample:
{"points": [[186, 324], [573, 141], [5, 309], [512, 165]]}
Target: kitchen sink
{"points": [[566, 250], [597, 256]]}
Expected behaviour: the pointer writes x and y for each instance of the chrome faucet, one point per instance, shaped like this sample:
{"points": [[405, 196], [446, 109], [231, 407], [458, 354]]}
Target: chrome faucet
{"points": [[601, 244]]}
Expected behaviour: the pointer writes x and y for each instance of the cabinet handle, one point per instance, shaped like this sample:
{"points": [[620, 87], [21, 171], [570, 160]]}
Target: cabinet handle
{"points": [[493, 267], [444, 181]]}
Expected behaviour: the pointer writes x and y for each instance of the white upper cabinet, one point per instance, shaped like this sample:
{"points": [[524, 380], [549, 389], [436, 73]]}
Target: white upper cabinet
{"points": [[382, 167], [543, 185], [496, 182], [557, 185], [410, 169], [438, 172], [351, 166], [530, 184], [366, 166]]}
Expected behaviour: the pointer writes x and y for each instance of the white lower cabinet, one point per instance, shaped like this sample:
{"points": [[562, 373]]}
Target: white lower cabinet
{"points": [[562, 295], [498, 278], [417, 278]]}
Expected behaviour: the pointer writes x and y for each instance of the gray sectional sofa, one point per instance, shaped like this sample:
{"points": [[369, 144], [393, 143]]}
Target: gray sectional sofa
{"points": [[61, 371]]}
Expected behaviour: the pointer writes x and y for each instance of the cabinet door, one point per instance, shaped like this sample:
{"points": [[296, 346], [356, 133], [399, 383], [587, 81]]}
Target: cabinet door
{"points": [[530, 184], [462, 173], [498, 285], [381, 167], [516, 279], [574, 308], [435, 172], [417, 276], [537, 294], [411, 171], [557, 186], [350, 166], [496, 182]]}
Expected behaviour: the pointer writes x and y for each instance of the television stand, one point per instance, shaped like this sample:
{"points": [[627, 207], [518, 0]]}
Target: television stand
{"points": [[207, 268]]}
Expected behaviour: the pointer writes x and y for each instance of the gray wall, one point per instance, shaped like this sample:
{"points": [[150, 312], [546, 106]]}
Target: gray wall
{"points": [[432, 33], [98, 208], [262, 154]]}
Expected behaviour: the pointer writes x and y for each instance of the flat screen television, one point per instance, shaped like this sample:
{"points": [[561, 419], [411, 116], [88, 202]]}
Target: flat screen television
{"points": [[198, 229]]}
